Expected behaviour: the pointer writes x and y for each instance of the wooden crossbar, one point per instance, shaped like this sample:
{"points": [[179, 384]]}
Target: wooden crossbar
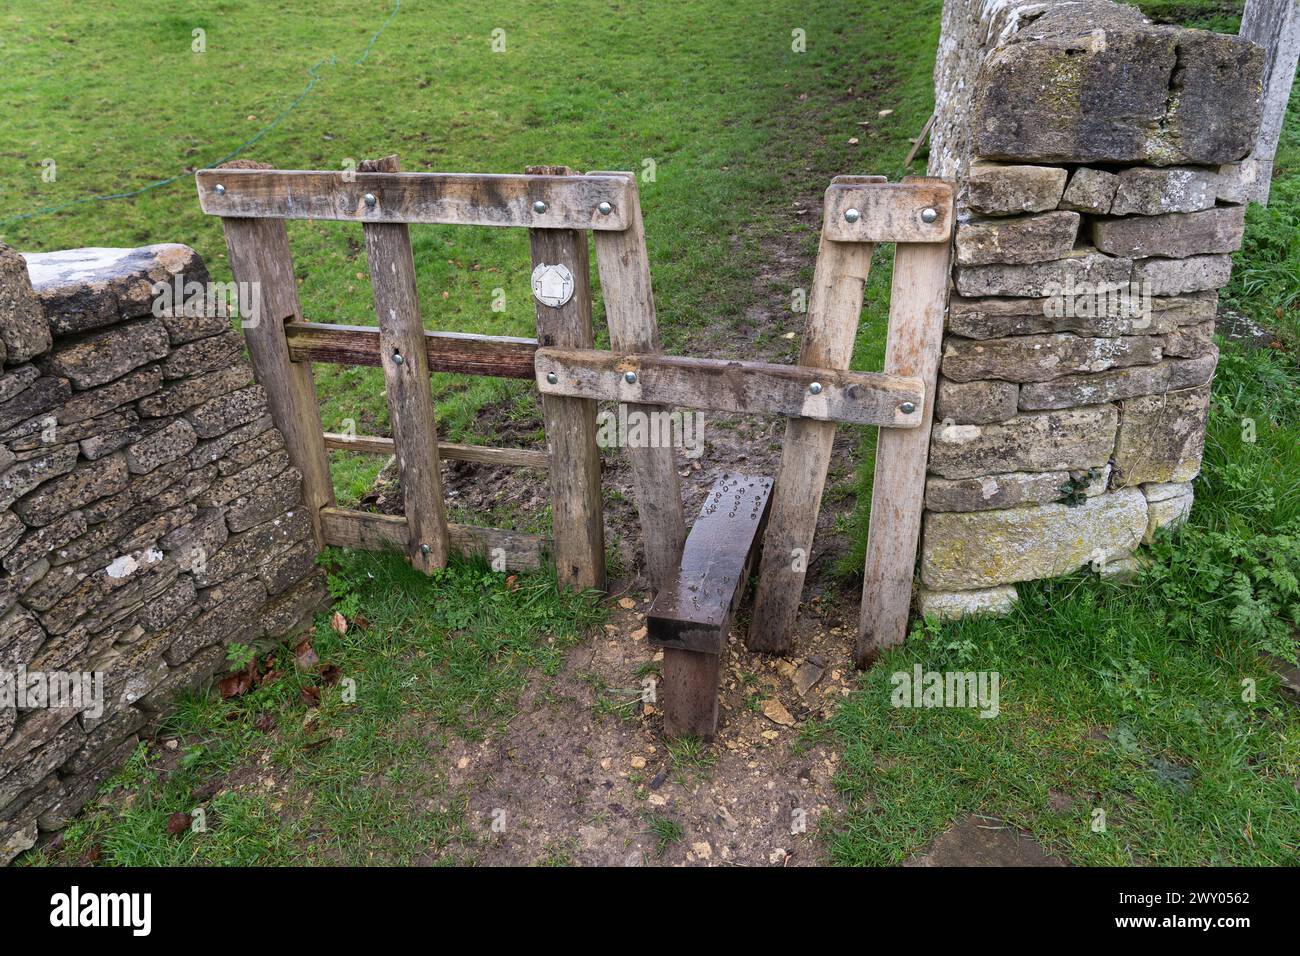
{"points": [[864, 398], [481, 454], [347, 528], [501, 356], [460, 199], [917, 210]]}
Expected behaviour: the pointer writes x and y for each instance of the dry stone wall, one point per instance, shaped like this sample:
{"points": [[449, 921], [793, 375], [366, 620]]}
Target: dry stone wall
{"points": [[1100, 197], [148, 517]]}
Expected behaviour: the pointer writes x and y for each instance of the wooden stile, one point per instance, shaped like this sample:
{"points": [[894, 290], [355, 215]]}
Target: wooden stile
{"points": [[577, 514], [918, 298], [259, 255], [697, 590], [833, 309], [410, 399], [630, 311]]}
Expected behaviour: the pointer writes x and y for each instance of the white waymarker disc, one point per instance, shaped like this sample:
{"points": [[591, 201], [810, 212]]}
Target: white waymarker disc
{"points": [[552, 285]]}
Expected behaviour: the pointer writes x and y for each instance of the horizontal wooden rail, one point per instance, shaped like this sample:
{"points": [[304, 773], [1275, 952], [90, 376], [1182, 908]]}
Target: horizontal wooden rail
{"points": [[346, 528], [503, 356], [482, 454], [600, 203], [864, 398], [916, 211]]}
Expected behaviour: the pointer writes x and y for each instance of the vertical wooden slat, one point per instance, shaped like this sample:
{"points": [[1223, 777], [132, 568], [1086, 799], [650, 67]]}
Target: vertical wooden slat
{"points": [[577, 514], [630, 310], [406, 374], [833, 309], [917, 301], [259, 255]]}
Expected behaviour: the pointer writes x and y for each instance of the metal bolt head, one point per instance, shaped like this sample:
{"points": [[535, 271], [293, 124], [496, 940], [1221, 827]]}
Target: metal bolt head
{"points": [[552, 377], [907, 408], [219, 189], [815, 388], [398, 359], [539, 206], [630, 378], [370, 200], [604, 209], [852, 215], [929, 214]]}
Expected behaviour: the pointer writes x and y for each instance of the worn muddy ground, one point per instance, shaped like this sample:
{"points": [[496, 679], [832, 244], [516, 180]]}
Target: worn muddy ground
{"points": [[583, 773]]}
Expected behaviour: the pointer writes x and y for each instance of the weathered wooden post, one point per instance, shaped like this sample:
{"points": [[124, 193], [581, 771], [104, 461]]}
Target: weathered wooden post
{"points": [[630, 312], [577, 513], [259, 256], [406, 374], [916, 307]]}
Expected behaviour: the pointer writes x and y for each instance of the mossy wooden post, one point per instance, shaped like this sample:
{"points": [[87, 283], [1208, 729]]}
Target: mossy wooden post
{"points": [[406, 374], [630, 311], [260, 257], [577, 516]]}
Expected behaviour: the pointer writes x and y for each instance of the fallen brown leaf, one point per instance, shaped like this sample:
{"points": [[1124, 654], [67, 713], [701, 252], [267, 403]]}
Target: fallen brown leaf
{"points": [[178, 823], [305, 656], [236, 685], [310, 696]]}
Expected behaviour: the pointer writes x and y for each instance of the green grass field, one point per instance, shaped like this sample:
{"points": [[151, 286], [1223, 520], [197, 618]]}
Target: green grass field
{"points": [[715, 112], [1126, 699]]}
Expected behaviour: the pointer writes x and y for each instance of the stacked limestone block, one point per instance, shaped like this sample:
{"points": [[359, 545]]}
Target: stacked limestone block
{"points": [[1099, 203], [148, 513]]}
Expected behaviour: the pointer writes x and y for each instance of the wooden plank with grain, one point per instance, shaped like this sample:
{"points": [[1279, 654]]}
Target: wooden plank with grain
{"points": [[501, 356], [888, 212], [690, 693], [694, 612], [835, 304], [515, 550], [577, 509], [463, 199], [761, 388], [916, 313], [479, 454], [260, 256], [410, 399], [624, 267]]}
